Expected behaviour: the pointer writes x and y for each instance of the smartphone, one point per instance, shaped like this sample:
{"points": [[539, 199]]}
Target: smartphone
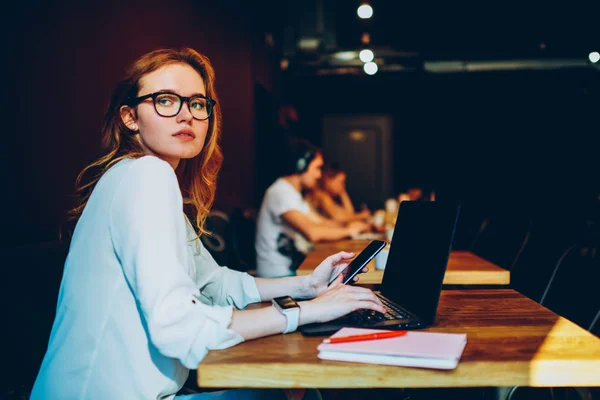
{"points": [[360, 261]]}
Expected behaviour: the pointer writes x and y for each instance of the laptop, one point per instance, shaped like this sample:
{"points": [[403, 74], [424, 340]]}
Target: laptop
{"points": [[414, 272]]}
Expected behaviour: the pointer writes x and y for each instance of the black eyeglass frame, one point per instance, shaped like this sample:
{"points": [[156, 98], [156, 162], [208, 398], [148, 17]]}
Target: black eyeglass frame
{"points": [[210, 103]]}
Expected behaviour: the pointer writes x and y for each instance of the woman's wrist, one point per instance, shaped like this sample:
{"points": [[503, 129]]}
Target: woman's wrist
{"points": [[306, 289], [307, 313]]}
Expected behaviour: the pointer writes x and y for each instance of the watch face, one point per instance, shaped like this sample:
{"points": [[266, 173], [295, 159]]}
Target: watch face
{"points": [[285, 302]]}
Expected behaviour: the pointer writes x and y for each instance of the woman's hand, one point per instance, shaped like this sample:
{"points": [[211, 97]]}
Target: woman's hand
{"points": [[364, 213], [337, 301], [331, 267], [356, 227]]}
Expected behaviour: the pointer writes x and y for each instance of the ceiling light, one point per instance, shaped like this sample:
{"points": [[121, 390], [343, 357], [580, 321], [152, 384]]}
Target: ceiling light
{"points": [[309, 43], [366, 55], [594, 57], [365, 11], [345, 55], [370, 68], [357, 136]]}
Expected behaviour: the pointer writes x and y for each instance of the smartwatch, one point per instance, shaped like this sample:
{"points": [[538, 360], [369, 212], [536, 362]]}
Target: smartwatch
{"points": [[288, 307]]}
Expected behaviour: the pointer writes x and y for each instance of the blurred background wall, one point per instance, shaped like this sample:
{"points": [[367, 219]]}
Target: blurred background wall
{"points": [[494, 137], [63, 60]]}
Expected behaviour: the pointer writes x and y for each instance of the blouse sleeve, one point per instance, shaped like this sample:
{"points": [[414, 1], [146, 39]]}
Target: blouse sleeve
{"points": [[221, 285], [149, 237]]}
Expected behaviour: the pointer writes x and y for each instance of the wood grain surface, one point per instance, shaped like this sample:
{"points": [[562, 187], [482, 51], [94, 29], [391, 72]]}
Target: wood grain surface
{"points": [[464, 268], [511, 340]]}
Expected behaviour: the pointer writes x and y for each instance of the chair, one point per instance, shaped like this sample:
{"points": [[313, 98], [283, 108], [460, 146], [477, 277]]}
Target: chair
{"points": [[595, 327], [502, 238], [30, 284], [217, 223], [548, 240], [528, 393], [573, 288], [572, 294], [241, 234], [467, 227]]}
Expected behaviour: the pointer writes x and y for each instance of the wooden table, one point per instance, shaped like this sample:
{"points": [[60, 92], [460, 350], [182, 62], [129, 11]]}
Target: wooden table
{"points": [[511, 340], [464, 268]]}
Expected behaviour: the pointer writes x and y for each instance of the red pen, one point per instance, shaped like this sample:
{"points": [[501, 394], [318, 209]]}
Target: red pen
{"points": [[368, 336]]}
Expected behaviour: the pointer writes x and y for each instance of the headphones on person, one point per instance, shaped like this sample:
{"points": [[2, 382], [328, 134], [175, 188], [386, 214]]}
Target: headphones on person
{"points": [[299, 154], [304, 160]]}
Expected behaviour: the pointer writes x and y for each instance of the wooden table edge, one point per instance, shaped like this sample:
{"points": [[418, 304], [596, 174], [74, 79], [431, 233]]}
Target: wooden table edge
{"points": [[450, 278], [344, 375]]}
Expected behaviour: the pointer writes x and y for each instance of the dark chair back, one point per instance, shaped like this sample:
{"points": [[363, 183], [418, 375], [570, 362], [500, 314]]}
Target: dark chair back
{"points": [[595, 328], [241, 234], [30, 283], [501, 238], [467, 227], [217, 224], [573, 288], [548, 240]]}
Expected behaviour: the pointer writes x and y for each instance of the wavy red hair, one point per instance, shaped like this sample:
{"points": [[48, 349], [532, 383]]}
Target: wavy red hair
{"points": [[197, 176]]}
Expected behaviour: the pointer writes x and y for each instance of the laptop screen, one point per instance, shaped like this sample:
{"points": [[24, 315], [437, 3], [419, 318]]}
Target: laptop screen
{"points": [[418, 256]]}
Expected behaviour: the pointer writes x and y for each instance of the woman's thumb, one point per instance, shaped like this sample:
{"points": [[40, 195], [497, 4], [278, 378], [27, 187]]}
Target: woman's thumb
{"points": [[336, 282]]}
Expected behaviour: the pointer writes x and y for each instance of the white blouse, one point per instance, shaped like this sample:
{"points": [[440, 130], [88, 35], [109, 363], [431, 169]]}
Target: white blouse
{"points": [[141, 300]]}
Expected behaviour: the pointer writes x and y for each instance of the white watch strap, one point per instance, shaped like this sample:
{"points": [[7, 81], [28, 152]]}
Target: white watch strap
{"points": [[292, 316]]}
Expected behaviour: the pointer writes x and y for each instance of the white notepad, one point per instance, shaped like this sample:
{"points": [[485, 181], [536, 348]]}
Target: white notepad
{"points": [[415, 349]]}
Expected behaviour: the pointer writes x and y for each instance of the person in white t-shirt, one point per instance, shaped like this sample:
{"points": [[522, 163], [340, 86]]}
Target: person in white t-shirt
{"points": [[141, 300], [286, 221]]}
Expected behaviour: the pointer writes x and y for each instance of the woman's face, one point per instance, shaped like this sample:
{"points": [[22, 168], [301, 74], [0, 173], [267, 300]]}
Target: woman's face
{"points": [[169, 138], [336, 185]]}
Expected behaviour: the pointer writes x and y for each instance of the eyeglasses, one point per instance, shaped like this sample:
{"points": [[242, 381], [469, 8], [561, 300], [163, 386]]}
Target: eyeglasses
{"points": [[169, 104]]}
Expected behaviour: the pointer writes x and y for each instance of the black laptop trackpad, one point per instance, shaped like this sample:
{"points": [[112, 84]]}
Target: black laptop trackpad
{"points": [[324, 328], [329, 328]]}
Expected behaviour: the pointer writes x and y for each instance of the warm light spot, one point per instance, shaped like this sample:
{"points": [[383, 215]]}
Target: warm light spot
{"points": [[365, 38], [565, 352], [357, 136], [284, 64]]}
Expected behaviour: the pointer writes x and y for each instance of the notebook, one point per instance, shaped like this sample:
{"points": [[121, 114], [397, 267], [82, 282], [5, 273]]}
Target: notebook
{"points": [[414, 272], [415, 349]]}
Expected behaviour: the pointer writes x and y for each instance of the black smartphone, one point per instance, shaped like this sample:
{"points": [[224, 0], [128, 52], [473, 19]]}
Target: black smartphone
{"points": [[360, 261]]}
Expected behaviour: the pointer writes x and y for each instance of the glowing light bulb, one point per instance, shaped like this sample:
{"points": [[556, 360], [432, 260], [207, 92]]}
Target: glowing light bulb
{"points": [[366, 55], [370, 68], [365, 11]]}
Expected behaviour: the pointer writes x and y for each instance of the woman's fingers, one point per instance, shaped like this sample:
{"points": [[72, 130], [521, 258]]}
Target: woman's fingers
{"points": [[337, 257], [338, 269], [359, 293], [356, 277], [337, 282], [369, 305]]}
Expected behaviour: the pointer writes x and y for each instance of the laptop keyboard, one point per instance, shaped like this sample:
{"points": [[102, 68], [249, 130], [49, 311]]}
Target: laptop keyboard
{"points": [[368, 317]]}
